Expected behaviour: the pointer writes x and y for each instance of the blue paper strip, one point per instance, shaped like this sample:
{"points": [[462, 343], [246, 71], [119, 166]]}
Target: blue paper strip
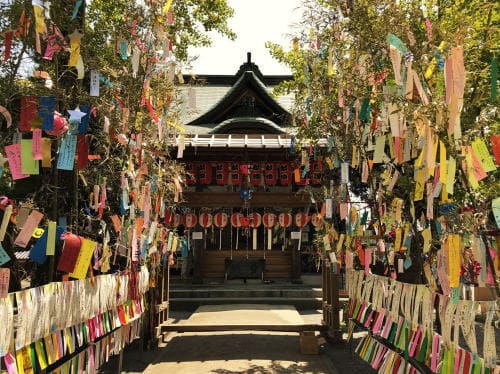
{"points": [[4, 257], [46, 106], [66, 159], [84, 122]]}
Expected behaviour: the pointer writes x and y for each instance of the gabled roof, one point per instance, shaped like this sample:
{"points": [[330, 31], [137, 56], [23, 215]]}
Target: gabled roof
{"points": [[249, 125], [247, 98]]}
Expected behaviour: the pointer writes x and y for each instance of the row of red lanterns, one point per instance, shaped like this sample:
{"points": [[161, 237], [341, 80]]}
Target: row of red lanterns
{"points": [[234, 172], [237, 220]]}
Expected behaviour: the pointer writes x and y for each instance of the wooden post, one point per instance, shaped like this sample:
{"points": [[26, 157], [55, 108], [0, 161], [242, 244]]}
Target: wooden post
{"points": [[295, 276], [120, 362], [324, 284], [335, 304], [197, 279]]}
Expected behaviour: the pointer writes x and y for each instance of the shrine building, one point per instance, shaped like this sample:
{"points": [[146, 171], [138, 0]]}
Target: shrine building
{"points": [[247, 205]]}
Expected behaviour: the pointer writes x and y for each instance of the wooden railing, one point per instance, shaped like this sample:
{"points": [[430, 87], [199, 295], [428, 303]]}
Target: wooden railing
{"points": [[331, 303]]}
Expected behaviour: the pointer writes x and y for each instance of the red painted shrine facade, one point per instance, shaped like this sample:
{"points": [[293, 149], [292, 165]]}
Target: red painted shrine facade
{"points": [[245, 185]]}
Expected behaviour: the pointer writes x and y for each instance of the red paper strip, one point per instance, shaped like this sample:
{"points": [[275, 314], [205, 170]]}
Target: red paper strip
{"points": [[8, 44], [82, 149], [29, 111], [495, 147], [72, 244]]}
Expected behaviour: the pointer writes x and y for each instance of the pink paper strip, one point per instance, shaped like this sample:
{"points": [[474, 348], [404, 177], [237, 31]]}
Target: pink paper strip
{"points": [[36, 144], [13, 153], [28, 228], [435, 347]]}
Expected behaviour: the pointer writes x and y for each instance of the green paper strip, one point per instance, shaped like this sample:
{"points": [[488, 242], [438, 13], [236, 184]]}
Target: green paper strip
{"points": [[494, 72], [396, 43]]}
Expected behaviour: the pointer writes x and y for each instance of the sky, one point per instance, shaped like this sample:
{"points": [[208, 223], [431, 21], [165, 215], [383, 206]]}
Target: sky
{"points": [[255, 22]]}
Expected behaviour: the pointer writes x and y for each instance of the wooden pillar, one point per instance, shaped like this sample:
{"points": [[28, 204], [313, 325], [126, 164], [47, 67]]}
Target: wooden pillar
{"points": [[335, 303], [295, 276], [197, 279]]}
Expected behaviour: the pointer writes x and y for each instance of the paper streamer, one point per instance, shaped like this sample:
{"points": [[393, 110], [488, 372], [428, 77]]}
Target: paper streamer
{"points": [[83, 260], [5, 221], [29, 227]]}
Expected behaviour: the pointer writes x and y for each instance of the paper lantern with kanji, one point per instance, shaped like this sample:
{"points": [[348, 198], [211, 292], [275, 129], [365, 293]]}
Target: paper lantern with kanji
{"points": [[317, 172], [221, 173], [255, 220], [236, 219], [301, 219], [285, 219], [256, 175], [205, 220], [190, 173], [285, 173], [190, 220], [270, 173], [235, 174], [220, 220], [317, 220], [269, 220], [204, 172]]}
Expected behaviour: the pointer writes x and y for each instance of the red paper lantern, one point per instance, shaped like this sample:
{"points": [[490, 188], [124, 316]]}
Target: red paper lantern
{"points": [[204, 172], [317, 220], [205, 220], [221, 173], [256, 175], [235, 174], [236, 219], [245, 221], [317, 172], [220, 220], [285, 219], [269, 220], [301, 219], [190, 173], [285, 174], [168, 220], [270, 173], [255, 220], [190, 220]]}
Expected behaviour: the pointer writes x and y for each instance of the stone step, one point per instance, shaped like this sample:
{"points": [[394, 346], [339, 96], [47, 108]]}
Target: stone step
{"points": [[244, 293], [191, 304]]}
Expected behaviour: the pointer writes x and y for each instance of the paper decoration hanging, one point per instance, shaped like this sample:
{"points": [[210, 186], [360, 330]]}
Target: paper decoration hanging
{"points": [[29, 111], [221, 173], [220, 220], [205, 220], [236, 220], [270, 173], [190, 220], [70, 252], [285, 219], [7, 115], [301, 219], [317, 220], [285, 174], [204, 172]]}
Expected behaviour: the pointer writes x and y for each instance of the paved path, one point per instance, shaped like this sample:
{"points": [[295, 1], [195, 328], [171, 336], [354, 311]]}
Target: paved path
{"points": [[239, 352]]}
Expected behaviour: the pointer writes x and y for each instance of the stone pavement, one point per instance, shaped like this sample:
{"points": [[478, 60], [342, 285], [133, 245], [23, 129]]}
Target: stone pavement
{"points": [[239, 352]]}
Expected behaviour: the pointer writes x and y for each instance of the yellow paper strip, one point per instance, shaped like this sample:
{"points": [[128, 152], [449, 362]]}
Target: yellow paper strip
{"points": [[51, 238], [46, 153], [378, 155], [454, 259], [83, 260], [450, 175], [397, 240], [427, 235], [482, 154], [442, 163]]}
